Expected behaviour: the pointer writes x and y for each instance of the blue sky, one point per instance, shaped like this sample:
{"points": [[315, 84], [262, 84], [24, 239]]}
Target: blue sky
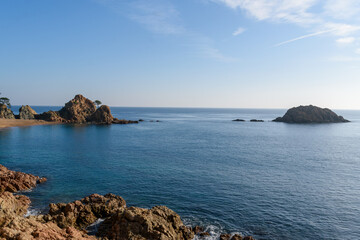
{"points": [[182, 53]]}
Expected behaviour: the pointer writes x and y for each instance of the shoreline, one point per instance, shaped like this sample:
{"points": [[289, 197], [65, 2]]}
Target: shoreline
{"points": [[7, 123], [73, 220]]}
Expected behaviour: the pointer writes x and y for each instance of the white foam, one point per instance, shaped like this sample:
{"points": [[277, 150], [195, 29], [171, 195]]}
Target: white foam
{"points": [[32, 212]]}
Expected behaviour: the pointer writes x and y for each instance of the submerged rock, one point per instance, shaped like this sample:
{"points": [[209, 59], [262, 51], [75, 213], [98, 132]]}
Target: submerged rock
{"points": [[142, 224], [238, 120], [26, 112], [5, 112], [310, 114]]}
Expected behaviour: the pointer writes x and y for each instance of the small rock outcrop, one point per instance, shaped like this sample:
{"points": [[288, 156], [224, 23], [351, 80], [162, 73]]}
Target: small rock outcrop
{"points": [[80, 214], [78, 110], [26, 112], [5, 112], [145, 224], [50, 116], [238, 120], [123, 121], [256, 120], [12, 181], [310, 114], [102, 115]]}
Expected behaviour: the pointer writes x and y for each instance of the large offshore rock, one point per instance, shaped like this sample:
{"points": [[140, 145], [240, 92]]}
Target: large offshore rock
{"points": [[310, 114], [26, 112], [5, 112], [78, 110]]}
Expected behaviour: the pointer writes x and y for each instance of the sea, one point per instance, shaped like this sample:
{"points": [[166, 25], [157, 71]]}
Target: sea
{"points": [[266, 179]]}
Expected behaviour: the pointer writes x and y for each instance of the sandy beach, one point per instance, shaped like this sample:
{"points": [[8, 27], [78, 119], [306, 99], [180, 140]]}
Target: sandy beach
{"points": [[4, 123]]}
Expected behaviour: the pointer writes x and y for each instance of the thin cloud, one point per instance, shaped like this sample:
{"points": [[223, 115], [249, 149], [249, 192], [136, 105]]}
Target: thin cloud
{"points": [[347, 40], [339, 18], [303, 37], [239, 31]]}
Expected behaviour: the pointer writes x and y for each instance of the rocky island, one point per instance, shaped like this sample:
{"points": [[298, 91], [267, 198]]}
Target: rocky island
{"points": [[310, 114]]}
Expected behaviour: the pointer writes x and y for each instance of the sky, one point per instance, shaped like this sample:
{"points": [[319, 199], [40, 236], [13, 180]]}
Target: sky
{"points": [[182, 53]]}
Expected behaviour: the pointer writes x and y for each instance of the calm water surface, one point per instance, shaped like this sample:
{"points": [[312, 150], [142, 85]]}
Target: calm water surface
{"points": [[270, 180]]}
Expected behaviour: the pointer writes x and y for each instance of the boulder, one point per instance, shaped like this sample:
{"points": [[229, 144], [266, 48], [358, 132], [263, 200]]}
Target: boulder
{"points": [[78, 110], [26, 112], [225, 236], [12, 181], [80, 214], [14, 225], [145, 224], [102, 115], [5, 112], [50, 116], [237, 237], [310, 114]]}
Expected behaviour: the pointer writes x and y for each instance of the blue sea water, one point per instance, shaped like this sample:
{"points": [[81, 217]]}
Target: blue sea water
{"points": [[270, 180]]}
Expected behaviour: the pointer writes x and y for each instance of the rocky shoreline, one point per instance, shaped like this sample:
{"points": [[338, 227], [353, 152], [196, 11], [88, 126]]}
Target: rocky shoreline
{"points": [[71, 220]]}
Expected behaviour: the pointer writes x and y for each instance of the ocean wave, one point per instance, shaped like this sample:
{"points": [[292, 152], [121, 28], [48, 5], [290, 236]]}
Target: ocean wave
{"points": [[32, 212]]}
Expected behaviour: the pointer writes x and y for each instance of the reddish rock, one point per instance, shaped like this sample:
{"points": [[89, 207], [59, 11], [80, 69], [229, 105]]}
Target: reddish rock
{"points": [[12, 181]]}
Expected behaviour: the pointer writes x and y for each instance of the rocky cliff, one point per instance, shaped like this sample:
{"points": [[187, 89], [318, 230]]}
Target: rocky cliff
{"points": [[310, 114], [5, 112]]}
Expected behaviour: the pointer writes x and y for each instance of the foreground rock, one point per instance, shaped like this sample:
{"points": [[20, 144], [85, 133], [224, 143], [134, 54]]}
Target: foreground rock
{"points": [[12, 181], [310, 114], [5, 112], [81, 214], [141, 224], [26, 112], [70, 220], [13, 223]]}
